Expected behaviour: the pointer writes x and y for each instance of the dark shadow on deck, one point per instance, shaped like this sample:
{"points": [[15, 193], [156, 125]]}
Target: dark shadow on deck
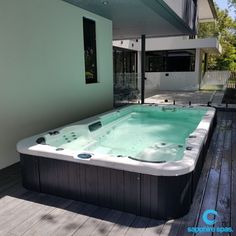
{"points": [[10, 180]]}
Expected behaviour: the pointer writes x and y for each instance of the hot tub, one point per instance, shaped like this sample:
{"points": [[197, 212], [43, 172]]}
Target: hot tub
{"points": [[143, 159]]}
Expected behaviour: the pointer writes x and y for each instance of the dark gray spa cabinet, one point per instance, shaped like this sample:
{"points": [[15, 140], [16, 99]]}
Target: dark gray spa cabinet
{"points": [[160, 197]]}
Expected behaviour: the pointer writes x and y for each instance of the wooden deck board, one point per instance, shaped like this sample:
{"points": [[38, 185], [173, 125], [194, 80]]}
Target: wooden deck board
{"points": [[28, 214], [193, 217], [122, 225], [171, 227], [93, 222], [212, 185], [233, 179], [15, 215], [23, 212], [105, 227], [137, 228], [14, 196], [154, 228], [224, 192], [45, 210], [72, 220], [49, 221]]}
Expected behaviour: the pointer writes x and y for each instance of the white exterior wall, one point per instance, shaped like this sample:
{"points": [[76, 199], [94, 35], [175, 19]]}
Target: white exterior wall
{"points": [[205, 13], [176, 81], [127, 44], [173, 81], [179, 81], [198, 65], [42, 72], [172, 43], [175, 43]]}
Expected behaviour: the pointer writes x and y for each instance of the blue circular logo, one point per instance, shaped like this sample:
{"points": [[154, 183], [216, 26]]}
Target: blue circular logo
{"points": [[206, 214]]}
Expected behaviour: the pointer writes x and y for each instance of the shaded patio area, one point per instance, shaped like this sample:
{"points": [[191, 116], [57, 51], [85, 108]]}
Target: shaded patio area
{"points": [[183, 97], [24, 212]]}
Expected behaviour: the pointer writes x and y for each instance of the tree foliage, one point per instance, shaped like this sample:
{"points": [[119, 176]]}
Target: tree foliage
{"points": [[225, 29], [232, 3]]}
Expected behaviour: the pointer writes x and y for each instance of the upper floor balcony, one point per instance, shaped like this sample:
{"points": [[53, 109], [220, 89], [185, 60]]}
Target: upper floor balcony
{"points": [[206, 11], [193, 11], [186, 10]]}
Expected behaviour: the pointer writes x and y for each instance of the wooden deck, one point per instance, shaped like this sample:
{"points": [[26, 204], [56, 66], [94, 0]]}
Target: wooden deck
{"points": [[23, 212]]}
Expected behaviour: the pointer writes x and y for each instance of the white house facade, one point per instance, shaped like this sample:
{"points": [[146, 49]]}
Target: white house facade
{"points": [[56, 63], [175, 63]]}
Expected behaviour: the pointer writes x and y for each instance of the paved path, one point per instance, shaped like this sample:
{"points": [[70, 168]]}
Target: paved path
{"points": [[197, 97]]}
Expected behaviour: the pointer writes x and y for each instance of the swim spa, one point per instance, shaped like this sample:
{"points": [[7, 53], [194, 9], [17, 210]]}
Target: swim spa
{"points": [[143, 159]]}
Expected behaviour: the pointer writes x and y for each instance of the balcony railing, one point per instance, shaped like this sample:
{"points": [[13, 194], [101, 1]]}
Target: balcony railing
{"points": [[231, 83], [216, 80]]}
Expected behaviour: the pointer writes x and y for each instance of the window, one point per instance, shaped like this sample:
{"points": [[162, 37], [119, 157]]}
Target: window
{"points": [[155, 61], [90, 52], [125, 61], [170, 61]]}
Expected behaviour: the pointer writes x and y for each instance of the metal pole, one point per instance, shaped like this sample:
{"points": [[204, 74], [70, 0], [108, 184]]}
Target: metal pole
{"points": [[205, 62], [143, 52]]}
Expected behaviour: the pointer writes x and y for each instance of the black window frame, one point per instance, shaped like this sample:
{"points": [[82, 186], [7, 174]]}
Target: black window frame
{"points": [[90, 51], [128, 60], [168, 58]]}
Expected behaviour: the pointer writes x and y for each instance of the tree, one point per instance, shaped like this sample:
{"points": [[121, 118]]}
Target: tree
{"points": [[225, 29], [232, 3]]}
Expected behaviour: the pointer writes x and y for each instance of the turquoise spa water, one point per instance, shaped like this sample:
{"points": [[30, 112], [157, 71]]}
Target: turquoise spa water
{"points": [[153, 135]]}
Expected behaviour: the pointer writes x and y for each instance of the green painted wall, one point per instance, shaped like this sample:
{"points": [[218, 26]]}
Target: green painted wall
{"points": [[42, 83]]}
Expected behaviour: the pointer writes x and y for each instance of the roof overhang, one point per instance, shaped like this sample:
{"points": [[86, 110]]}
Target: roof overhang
{"points": [[206, 11], [133, 18]]}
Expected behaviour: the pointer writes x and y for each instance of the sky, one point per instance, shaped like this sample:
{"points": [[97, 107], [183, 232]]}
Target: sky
{"points": [[223, 4]]}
